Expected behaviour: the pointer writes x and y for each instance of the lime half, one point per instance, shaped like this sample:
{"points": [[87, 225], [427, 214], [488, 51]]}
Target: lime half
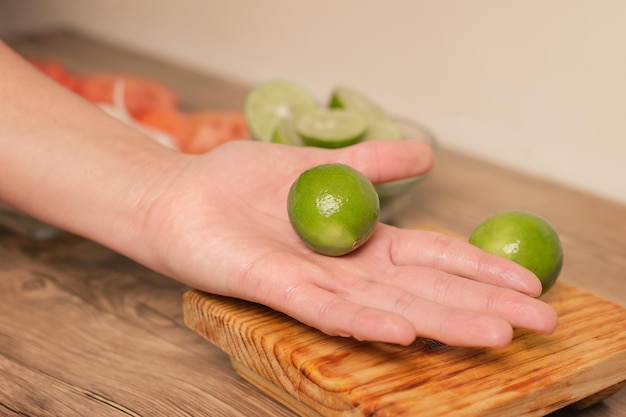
{"points": [[268, 103], [285, 133], [331, 128], [333, 208], [380, 124]]}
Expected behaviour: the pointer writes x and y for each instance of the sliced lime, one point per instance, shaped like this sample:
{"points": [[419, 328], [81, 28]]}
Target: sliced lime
{"points": [[285, 132], [383, 129], [346, 97], [381, 126], [331, 128], [272, 101]]}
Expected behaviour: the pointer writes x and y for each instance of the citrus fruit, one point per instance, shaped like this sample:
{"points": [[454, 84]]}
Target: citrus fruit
{"points": [[272, 101], [333, 208], [524, 238], [380, 124], [286, 134], [331, 128]]}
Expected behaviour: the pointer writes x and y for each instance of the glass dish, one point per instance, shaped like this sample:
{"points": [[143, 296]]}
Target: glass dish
{"points": [[410, 130], [393, 195]]}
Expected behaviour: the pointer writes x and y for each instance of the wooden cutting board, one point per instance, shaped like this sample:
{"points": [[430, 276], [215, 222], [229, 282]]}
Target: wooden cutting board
{"points": [[583, 362]]}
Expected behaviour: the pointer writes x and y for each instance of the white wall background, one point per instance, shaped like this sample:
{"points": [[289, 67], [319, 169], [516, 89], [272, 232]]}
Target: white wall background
{"points": [[537, 85]]}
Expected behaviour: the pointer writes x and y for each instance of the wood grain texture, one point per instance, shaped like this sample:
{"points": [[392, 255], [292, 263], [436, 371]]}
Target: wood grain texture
{"points": [[86, 332], [332, 376]]}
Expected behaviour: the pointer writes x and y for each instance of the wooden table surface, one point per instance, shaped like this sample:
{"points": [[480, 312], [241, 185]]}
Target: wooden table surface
{"points": [[87, 332]]}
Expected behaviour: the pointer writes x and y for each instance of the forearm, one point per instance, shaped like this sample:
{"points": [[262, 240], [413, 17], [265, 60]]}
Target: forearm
{"points": [[66, 162]]}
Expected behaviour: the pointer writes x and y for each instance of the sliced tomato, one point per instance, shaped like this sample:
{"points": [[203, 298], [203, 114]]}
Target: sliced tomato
{"points": [[154, 105], [213, 128], [57, 71], [140, 94], [171, 121]]}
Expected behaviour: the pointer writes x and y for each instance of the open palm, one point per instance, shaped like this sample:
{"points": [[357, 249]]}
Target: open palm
{"points": [[221, 226]]}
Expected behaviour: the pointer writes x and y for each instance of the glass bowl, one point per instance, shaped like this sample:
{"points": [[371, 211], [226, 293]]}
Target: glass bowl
{"points": [[391, 193], [394, 195], [410, 130]]}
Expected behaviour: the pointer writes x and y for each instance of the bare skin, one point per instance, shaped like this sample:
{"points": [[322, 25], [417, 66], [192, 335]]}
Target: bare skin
{"points": [[218, 222]]}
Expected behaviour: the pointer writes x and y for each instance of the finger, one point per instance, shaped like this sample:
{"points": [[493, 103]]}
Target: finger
{"points": [[519, 310], [345, 305], [458, 257], [336, 316], [298, 289], [387, 160], [445, 323], [460, 327]]}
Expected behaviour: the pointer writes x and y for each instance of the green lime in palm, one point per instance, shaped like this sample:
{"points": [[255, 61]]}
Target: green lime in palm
{"points": [[333, 208], [524, 238]]}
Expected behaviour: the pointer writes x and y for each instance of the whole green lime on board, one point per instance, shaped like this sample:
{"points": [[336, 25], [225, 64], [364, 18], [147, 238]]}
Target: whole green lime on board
{"points": [[524, 238], [333, 208], [271, 102]]}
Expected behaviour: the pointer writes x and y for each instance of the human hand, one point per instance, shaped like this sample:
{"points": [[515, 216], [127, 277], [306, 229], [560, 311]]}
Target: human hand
{"points": [[221, 226], [218, 222]]}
